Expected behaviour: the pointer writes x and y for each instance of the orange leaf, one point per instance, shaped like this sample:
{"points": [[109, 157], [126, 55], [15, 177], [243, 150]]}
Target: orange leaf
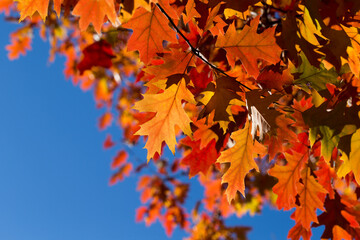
{"points": [[119, 176], [199, 159], [288, 176], [19, 45], [149, 31], [108, 143], [299, 231], [94, 11], [309, 192], [190, 12], [340, 234], [105, 120], [5, 6], [28, 8], [174, 63], [169, 113], [241, 159], [119, 159], [248, 46]]}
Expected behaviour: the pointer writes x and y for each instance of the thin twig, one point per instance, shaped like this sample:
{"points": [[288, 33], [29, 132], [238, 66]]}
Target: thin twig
{"points": [[193, 49]]}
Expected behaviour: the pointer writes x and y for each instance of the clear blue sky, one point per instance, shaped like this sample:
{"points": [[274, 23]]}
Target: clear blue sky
{"points": [[53, 171]]}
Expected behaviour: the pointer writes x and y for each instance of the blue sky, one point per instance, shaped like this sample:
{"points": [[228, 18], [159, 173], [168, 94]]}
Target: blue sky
{"points": [[53, 170]]}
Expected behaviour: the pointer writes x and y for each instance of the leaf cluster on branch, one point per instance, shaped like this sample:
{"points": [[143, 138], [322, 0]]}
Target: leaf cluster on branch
{"points": [[260, 99]]}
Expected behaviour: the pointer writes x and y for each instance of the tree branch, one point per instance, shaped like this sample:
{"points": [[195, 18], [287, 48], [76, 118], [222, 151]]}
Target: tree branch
{"points": [[193, 49]]}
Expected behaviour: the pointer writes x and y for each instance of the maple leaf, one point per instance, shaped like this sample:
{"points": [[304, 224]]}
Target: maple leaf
{"points": [[248, 46], [97, 54], [288, 177], [309, 192], [241, 159], [150, 29], [28, 8], [94, 11], [169, 113]]}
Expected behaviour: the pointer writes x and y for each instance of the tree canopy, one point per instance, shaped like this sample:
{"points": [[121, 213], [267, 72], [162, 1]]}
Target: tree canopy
{"points": [[259, 99]]}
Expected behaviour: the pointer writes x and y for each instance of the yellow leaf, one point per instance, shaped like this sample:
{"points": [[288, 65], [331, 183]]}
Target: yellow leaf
{"points": [[241, 159], [169, 113], [355, 155]]}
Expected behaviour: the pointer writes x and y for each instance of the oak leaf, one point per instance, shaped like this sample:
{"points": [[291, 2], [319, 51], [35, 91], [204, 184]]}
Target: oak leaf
{"points": [[312, 196], [150, 29], [219, 97], [241, 159], [299, 231], [288, 177], [199, 159], [169, 113], [355, 155], [94, 11], [249, 46]]}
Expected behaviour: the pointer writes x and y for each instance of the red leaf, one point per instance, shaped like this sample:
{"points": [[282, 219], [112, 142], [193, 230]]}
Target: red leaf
{"points": [[119, 159], [108, 143], [97, 54]]}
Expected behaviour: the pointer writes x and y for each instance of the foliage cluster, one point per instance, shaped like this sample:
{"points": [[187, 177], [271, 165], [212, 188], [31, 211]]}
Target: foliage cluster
{"points": [[259, 97]]}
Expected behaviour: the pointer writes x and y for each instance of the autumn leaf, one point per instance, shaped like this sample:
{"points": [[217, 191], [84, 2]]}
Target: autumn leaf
{"points": [[105, 120], [355, 155], [288, 176], [119, 159], [121, 173], [150, 29], [174, 62], [5, 6], [94, 11], [108, 143], [249, 46], [19, 45], [169, 113], [241, 159], [199, 159], [97, 54], [220, 96], [308, 76], [298, 232], [309, 191], [190, 11], [28, 8]]}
